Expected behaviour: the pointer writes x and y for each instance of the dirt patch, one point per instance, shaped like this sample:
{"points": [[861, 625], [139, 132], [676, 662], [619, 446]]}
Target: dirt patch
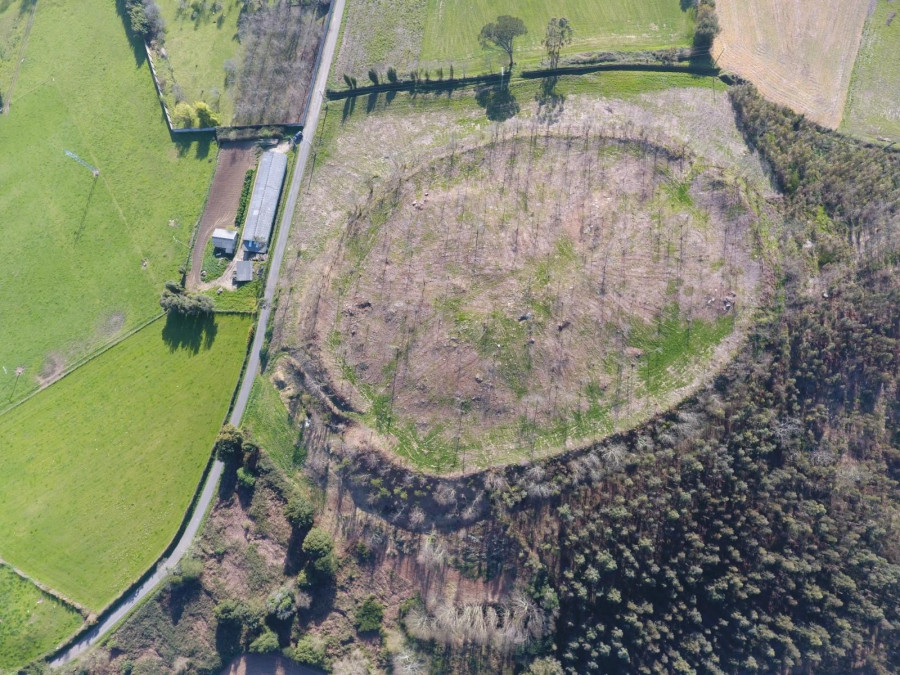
{"points": [[235, 159], [54, 366], [799, 54], [530, 285]]}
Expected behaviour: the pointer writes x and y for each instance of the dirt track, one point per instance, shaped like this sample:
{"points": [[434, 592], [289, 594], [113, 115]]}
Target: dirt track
{"points": [[221, 205], [799, 53]]}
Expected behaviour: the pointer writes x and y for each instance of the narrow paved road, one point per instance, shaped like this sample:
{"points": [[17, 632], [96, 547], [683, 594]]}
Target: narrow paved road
{"points": [[277, 253]]}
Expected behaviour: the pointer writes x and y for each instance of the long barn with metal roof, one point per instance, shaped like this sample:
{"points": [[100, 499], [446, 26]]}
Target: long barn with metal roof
{"points": [[264, 201]]}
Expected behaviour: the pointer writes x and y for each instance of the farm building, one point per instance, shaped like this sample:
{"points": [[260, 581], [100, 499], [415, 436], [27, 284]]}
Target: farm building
{"points": [[244, 271], [264, 201], [225, 239]]}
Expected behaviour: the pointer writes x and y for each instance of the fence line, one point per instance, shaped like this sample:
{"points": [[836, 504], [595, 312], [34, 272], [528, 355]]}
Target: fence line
{"points": [[83, 361]]}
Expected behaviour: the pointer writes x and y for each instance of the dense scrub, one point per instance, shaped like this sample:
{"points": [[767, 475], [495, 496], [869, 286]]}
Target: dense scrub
{"points": [[765, 539], [857, 186]]}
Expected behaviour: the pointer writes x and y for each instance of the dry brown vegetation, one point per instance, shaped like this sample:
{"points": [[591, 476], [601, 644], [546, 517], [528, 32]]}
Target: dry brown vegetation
{"points": [[280, 43], [798, 53], [512, 287]]}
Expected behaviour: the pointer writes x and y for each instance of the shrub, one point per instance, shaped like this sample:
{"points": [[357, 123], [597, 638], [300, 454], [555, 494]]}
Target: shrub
{"points": [[280, 604], [369, 615], [229, 444], [175, 299], [205, 116], [325, 567], [299, 512], [183, 115], [266, 643], [187, 572], [230, 611], [317, 543], [245, 479], [310, 650]]}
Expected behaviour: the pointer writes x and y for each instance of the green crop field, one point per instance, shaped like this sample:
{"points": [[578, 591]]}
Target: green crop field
{"points": [[437, 33], [99, 468], [85, 258], [452, 27], [873, 105], [197, 45], [31, 622]]}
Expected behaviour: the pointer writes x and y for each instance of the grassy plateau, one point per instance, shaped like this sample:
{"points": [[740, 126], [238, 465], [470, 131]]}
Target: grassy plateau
{"points": [[271, 426], [86, 257], [100, 467]]}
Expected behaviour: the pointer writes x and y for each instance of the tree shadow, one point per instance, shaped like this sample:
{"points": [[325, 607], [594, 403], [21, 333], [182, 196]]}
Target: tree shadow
{"points": [[137, 43], [550, 102], [201, 141], [371, 102], [349, 106], [180, 596], [189, 332], [228, 639], [498, 101], [687, 4]]}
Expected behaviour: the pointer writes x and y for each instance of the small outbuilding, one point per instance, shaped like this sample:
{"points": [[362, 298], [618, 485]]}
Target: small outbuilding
{"points": [[244, 271], [225, 239]]}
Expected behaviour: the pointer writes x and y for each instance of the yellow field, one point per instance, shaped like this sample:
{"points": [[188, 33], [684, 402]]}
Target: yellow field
{"points": [[799, 53]]}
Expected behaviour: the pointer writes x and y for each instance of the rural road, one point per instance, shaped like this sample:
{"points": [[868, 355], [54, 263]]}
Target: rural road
{"points": [[208, 492]]}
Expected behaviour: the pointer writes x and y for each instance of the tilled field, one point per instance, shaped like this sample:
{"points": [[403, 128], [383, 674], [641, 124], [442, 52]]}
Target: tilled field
{"points": [[798, 53]]}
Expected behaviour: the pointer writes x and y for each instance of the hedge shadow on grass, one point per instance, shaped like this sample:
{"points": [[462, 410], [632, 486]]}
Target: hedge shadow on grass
{"points": [[190, 332]]}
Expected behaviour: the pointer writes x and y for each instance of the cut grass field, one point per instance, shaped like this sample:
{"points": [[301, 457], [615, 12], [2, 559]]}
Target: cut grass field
{"points": [[434, 34], [100, 468], [31, 621], [873, 105], [85, 258], [198, 45], [798, 53]]}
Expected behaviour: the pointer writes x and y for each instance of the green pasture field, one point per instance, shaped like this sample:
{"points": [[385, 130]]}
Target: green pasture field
{"points": [[873, 104], [31, 621], [13, 22], [270, 425], [100, 467], [431, 34], [85, 259], [452, 27], [198, 47]]}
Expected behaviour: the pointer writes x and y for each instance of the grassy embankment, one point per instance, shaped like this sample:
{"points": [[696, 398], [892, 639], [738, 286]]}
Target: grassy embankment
{"points": [[270, 425], [31, 621], [86, 257], [873, 105], [198, 44], [100, 467], [437, 33]]}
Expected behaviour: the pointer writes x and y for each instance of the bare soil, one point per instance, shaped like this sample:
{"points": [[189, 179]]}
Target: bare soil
{"points": [[235, 159], [798, 53], [497, 289]]}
